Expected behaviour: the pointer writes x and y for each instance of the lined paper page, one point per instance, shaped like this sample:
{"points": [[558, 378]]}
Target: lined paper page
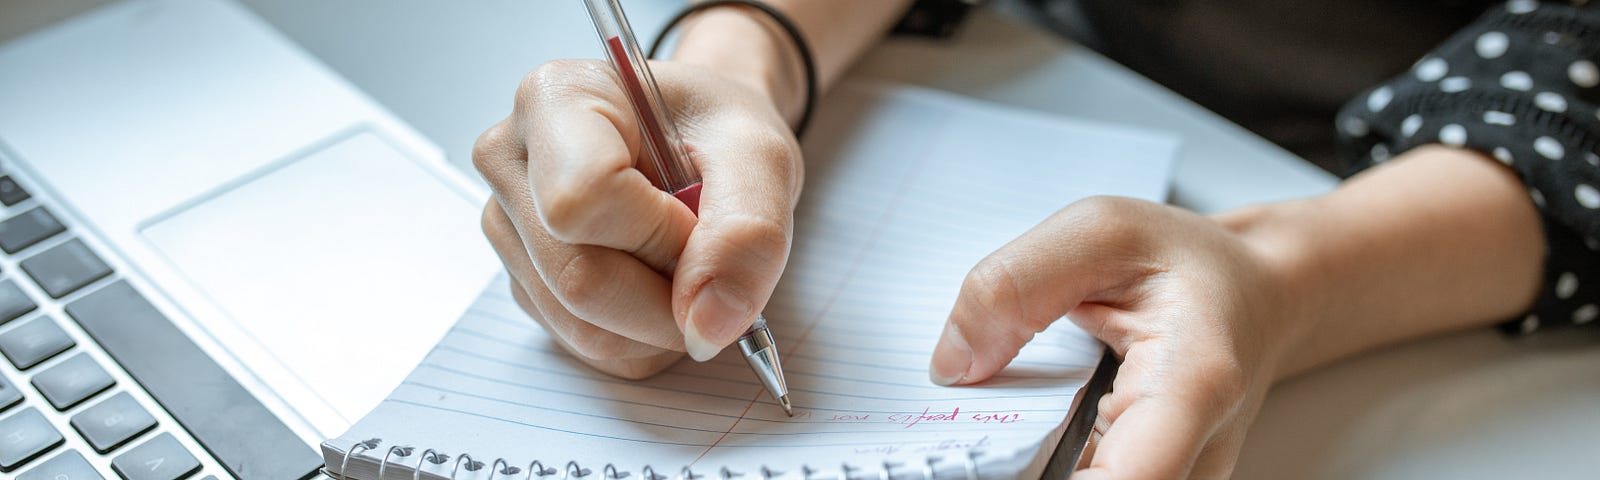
{"points": [[906, 191]]}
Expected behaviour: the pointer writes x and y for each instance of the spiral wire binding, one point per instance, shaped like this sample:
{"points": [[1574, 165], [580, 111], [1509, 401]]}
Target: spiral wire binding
{"points": [[384, 464], [356, 448], [472, 465], [573, 470], [502, 467], [537, 468], [431, 456]]}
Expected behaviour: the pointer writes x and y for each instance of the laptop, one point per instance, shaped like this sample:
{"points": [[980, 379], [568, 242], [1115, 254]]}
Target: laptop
{"points": [[210, 247]]}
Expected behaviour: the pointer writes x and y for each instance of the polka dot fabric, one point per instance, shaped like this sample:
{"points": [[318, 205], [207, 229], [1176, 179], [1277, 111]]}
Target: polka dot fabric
{"points": [[1520, 85]]}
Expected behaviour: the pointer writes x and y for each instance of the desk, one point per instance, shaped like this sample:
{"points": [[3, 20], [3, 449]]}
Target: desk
{"points": [[1472, 405]]}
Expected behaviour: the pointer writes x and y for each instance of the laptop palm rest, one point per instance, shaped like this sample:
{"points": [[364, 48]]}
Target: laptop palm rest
{"points": [[316, 259]]}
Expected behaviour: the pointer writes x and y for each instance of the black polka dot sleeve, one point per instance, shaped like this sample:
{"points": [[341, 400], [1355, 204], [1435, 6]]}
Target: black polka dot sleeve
{"points": [[1519, 85]]}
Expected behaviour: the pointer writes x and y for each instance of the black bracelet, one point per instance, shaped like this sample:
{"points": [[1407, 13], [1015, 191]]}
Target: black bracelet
{"points": [[783, 21]]}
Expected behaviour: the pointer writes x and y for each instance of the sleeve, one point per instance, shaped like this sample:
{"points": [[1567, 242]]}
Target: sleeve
{"points": [[1520, 85]]}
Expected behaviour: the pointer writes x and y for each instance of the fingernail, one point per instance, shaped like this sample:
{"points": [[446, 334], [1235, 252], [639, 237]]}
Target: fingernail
{"points": [[714, 317], [951, 358]]}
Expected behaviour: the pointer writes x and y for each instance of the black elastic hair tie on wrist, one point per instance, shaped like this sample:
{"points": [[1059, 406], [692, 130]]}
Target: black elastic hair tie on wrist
{"points": [[788, 27]]}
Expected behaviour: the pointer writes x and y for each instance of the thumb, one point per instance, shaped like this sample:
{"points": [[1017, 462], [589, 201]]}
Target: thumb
{"points": [[1088, 249], [737, 251]]}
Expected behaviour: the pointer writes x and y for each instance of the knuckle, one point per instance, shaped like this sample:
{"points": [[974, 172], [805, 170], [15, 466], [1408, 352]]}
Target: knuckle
{"points": [[635, 370], [991, 288], [594, 343], [566, 210], [787, 157], [774, 144], [489, 150], [661, 244], [778, 149], [582, 282], [494, 222], [549, 77], [640, 368], [557, 79], [1107, 222], [1223, 386], [1107, 408], [762, 238], [1105, 212]]}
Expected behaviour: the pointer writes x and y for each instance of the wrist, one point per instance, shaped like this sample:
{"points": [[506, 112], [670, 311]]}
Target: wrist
{"points": [[1282, 244], [1436, 240], [742, 45]]}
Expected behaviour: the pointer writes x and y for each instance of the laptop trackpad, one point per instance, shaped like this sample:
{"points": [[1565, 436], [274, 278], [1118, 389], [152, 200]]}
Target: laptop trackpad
{"points": [[350, 257]]}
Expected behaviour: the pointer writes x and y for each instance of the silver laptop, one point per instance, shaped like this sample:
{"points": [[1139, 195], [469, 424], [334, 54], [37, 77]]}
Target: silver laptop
{"points": [[214, 252]]}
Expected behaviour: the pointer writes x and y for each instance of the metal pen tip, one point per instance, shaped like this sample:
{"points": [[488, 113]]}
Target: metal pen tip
{"points": [[783, 401]]}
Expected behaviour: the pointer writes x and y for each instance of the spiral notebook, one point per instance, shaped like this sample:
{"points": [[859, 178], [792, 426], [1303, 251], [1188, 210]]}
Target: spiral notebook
{"points": [[906, 190]]}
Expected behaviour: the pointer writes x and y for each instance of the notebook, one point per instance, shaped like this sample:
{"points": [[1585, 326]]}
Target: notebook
{"points": [[906, 189]]}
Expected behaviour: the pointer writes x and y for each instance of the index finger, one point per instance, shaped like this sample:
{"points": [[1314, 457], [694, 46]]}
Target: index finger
{"points": [[583, 147], [1084, 251]]}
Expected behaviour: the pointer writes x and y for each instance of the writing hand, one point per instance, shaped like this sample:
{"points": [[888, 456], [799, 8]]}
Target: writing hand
{"points": [[622, 274]]}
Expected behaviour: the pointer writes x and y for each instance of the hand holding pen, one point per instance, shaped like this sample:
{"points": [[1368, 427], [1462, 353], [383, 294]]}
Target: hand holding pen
{"points": [[625, 276]]}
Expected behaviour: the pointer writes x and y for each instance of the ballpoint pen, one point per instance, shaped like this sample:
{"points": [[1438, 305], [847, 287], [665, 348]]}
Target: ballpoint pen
{"points": [[676, 174]]}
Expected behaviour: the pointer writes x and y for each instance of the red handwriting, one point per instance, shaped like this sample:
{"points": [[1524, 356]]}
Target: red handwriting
{"points": [[996, 417], [954, 444], [940, 446], [878, 450], [912, 419]]}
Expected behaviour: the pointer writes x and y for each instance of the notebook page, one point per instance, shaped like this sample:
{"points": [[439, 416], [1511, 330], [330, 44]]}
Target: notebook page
{"points": [[906, 190]]}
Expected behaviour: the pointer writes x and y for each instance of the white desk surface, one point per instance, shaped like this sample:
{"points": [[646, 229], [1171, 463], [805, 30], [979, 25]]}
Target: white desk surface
{"points": [[1474, 405]]}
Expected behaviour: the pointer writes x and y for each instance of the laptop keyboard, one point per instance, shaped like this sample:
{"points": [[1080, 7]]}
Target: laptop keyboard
{"points": [[63, 412]]}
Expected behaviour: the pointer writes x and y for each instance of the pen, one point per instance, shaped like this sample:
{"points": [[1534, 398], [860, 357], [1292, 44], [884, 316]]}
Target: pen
{"points": [[676, 174]]}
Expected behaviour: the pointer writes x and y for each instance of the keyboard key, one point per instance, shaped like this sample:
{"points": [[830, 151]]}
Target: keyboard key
{"points": [[34, 342], [161, 458], [23, 436], [66, 466], [13, 303], [72, 381], [28, 228], [65, 268], [9, 394], [225, 419], [10, 192], [113, 422]]}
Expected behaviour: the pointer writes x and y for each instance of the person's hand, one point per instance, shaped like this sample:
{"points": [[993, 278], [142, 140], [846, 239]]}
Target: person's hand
{"points": [[622, 274], [1194, 312], [1206, 313]]}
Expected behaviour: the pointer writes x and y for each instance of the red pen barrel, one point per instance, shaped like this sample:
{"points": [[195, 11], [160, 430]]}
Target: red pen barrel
{"points": [[690, 196]]}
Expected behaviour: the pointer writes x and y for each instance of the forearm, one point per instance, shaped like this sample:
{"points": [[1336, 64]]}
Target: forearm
{"points": [[1438, 240], [751, 49]]}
